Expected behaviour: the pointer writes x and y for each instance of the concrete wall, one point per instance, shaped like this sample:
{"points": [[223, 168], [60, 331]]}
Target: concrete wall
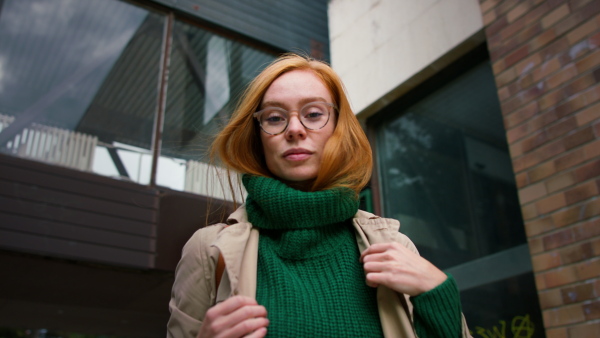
{"points": [[377, 46]]}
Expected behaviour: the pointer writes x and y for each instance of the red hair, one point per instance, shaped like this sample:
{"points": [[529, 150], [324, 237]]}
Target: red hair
{"points": [[347, 159]]}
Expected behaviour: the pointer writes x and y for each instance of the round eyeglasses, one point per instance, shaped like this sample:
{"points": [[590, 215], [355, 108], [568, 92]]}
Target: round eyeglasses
{"points": [[275, 120]]}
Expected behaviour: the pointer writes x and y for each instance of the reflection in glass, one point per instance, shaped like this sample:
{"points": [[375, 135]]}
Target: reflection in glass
{"points": [[446, 175], [445, 162], [207, 75], [77, 77]]}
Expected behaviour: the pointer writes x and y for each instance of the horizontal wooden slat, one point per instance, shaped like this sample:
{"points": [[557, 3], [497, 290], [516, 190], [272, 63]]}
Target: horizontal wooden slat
{"points": [[78, 186], [75, 217], [23, 191], [51, 229], [75, 250], [78, 175]]}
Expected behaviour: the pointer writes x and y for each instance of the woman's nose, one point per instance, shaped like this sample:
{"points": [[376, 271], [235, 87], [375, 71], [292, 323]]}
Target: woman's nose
{"points": [[295, 128]]}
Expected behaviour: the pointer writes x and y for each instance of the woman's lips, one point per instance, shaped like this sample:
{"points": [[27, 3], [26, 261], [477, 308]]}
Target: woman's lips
{"points": [[297, 154]]}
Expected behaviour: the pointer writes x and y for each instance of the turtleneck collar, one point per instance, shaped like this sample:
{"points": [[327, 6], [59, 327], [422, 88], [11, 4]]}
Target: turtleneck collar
{"points": [[271, 204]]}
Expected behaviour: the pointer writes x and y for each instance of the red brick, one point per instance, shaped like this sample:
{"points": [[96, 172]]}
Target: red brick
{"points": [[577, 293], [555, 49], [552, 98], [588, 115], [522, 180], [575, 4], [534, 141], [595, 40], [576, 253], [558, 239], [516, 56], [561, 276], [540, 281], [592, 149], [536, 245], [537, 156], [555, 16], [547, 68], [566, 74], [562, 127], [568, 216], [542, 40], [517, 12], [496, 26], [595, 244], [541, 171], [588, 269], [551, 203], [539, 226], [592, 310], [517, 133], [560, 332], [586, 230], [579, 137], [581, 32], [587, 171], [564, 315], [581, 192], [506, 5], [550, 298], [529, 212], [580, 84], [591, 329], [506, 77], [489, 4], [578, 101], [588, 62], [528, 64], [546, 261], [516, 149], [560, 182], [570, 159], [489, 17]]}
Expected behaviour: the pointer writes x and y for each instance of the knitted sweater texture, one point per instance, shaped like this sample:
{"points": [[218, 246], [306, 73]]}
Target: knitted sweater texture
{"points": [[309, 276]]}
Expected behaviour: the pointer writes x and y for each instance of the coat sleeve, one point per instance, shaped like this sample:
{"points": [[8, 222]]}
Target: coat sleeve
{"points": [[436, 311], [193, 291]]}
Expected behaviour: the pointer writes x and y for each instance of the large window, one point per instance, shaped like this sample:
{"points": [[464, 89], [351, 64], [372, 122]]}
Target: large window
{"points": [[445, 173], [80, 84]]}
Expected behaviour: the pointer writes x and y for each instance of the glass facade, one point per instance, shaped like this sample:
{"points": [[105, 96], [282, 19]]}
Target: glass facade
{"points": [[79, 86], [445, 173]]}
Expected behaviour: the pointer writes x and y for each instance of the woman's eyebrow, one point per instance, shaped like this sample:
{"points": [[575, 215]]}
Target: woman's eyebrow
{"points": [[302, 102]]}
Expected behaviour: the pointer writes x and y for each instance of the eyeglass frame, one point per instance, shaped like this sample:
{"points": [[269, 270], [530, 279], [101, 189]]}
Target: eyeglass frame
{"points": [[258, 113]]}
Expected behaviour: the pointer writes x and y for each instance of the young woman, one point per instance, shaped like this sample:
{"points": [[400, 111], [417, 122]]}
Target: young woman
{"points": [[300, 259]]}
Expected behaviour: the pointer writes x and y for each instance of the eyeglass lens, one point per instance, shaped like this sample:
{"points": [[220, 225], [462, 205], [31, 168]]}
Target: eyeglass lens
{"points": [[274, 120]]}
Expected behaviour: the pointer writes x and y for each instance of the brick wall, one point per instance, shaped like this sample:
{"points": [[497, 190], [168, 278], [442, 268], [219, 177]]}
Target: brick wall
{"points": [[546, 60]]}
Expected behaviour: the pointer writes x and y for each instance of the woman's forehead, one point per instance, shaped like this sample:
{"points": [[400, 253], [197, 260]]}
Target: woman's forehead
{"points": [[296, 87]]}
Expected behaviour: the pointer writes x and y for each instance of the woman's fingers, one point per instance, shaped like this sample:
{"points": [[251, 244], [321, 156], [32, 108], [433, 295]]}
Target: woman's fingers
{"points": [[235, 317], [400, 269]]}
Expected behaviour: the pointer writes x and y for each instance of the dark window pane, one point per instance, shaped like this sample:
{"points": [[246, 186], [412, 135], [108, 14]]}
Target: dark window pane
{"points": [[78, 83], [446, 173], [207, 75]]}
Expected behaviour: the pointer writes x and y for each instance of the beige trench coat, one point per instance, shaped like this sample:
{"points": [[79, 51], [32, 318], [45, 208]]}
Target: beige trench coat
{"points": [[194, 290]]}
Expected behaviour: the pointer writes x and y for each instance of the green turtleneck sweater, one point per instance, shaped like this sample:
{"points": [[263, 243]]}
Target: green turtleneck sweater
{"points": [[309, 277]]}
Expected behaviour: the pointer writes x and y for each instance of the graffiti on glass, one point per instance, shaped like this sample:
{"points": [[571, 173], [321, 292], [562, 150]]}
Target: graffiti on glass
{"points": [[519, 327]]}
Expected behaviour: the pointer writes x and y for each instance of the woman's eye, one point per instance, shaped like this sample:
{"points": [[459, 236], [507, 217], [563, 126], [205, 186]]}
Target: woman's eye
{"points": [[313, 115], [275, 119]]}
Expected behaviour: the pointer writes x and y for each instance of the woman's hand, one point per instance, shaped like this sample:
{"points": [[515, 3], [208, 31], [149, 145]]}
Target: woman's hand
{"points": [[235, 317], [400, 269]]}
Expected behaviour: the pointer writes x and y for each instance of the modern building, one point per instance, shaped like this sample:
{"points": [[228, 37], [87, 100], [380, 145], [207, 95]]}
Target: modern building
{"points": [[106, 111], [483, 117], [485, 120]]}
